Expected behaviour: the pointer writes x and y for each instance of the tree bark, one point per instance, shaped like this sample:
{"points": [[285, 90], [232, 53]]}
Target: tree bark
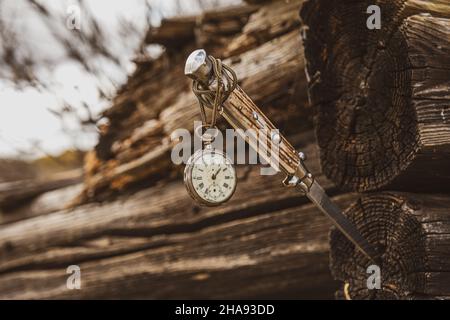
{"points": [[382, 95], [412, 230], [270, 21]]}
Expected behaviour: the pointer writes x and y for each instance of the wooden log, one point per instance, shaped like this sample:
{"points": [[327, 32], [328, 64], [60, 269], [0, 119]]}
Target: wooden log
{"points": [[13, 170], [270, 21], [147, 136], [279, 255], [259, 1], [45, 203], [153, 86], [382, 95], [174, 33], [267, 242], [16, 193], [116, 178], [412, 230], [216, 28], [270, 72], [212, 29]]}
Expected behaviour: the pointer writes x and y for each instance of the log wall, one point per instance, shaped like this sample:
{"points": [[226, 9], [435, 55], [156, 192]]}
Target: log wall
{"points": [[382, 95], [267, 242], [382, 98], [134, 231]]}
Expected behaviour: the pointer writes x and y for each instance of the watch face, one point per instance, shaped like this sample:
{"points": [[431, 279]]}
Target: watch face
{"points": [[210, 177]]}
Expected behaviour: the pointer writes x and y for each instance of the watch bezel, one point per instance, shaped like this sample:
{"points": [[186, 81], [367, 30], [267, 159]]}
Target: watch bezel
{"points": [[188, 181]]}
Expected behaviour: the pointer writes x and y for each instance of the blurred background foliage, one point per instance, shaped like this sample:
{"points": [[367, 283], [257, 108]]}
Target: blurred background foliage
{"points": [[56, 81]]}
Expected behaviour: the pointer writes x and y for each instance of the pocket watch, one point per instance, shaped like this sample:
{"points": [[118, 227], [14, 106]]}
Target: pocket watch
{"points": [[210, 176]]}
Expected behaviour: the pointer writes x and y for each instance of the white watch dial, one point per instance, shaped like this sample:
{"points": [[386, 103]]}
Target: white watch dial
{"points": [[213, 177]]}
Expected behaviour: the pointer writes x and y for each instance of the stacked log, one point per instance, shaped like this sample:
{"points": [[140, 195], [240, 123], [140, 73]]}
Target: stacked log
{"points": [[135, 233], [413, 232], [267, 242], [14, 193], [382, 99], [25, 198]]}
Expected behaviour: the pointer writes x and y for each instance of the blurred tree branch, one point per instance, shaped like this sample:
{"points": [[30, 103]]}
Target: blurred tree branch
{"points": [[35, 39]]}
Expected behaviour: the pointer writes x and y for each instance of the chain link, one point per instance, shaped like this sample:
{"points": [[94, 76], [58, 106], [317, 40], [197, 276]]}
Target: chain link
{"points": [[226, 81]]}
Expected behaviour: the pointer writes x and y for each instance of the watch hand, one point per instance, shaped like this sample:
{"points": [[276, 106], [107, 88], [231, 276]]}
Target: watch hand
{"points": [[215, 174]]}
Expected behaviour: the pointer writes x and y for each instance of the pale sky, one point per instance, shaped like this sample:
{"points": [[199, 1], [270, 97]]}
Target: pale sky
{"points": [[24, 115]]}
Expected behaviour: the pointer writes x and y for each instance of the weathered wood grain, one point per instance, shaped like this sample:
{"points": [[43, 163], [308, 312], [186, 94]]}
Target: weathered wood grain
{"points": [[45, 203], [270, 21], [280, 254], [267, 242], [268, 73], [382, 95], [216, 28], [173, 33], [167, 203], [412, 230], [15, 193]]}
